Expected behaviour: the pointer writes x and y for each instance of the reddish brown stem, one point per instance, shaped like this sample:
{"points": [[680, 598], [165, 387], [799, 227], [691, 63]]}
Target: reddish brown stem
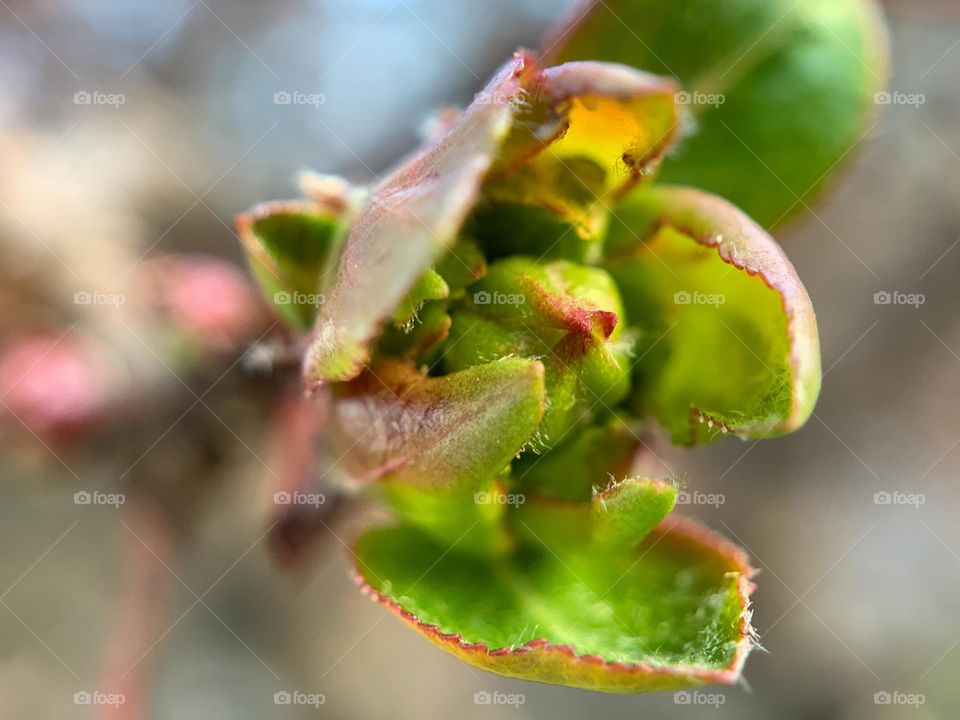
{"points": [[143, 607]]}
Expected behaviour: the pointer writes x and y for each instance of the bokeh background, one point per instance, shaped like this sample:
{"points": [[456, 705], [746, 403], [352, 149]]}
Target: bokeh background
{"points": [[855, 596]]}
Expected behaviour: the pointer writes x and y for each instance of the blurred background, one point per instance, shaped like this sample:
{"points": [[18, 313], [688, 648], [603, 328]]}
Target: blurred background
{"points": [[132, 133]]}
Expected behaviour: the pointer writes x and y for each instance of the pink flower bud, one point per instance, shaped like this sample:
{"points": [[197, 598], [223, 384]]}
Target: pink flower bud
{"points": [[209, 299], [55, 386]]}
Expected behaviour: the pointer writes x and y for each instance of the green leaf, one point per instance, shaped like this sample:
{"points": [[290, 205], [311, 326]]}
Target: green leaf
{"points": [[419, 339], [473, 520], [429, 445], [430, 286], [396, 424], [669, 613], [463, 265], [570, 471], [547, 209], [421, 323], [625, 512], [288, 245], [613, 519], [564, 313], [730, 337], [581, 131], [778, 91]]}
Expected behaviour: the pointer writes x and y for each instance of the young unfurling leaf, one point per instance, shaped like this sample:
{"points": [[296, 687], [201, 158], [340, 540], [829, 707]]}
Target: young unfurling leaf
{"points": [[429, 445], [565, 314], [621, 120], [396, 424], [671, 612], [288, 245], [733, 343]]}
